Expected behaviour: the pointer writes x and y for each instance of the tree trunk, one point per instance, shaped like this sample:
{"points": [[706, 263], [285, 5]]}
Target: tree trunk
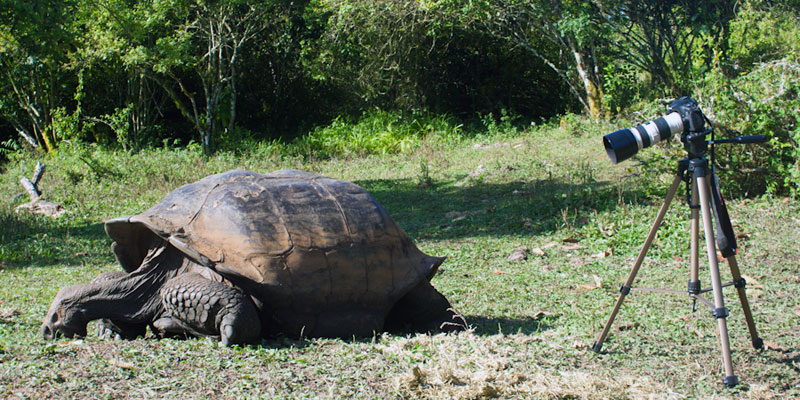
{"points": [[232, 90], [592, 91]]}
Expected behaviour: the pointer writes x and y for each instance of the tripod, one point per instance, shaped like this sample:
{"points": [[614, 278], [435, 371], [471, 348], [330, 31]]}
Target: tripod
{"points": [[704, 200]]}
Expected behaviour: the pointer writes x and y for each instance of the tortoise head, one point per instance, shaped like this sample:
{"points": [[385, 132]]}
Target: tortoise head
{"points": [[123, 297], [65, 317]]}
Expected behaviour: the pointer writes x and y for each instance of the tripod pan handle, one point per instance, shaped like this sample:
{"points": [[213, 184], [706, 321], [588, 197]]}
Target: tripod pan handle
{"points": [[742, 139]]}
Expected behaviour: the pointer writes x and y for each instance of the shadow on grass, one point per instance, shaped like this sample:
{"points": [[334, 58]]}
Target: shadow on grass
{"points": [[486, 326], [34, 240], [790, 358], [438, 211], [444, 211], [481, 325]]}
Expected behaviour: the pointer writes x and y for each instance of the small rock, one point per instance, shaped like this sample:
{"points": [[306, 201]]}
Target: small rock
{"points": [[519, 254], [6, 314], [478, 172], [456, 215]]}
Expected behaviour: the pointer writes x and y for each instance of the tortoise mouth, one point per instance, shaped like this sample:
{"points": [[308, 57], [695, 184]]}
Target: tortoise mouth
{"points": [[61, 318], [48, 333], [51, 332]]}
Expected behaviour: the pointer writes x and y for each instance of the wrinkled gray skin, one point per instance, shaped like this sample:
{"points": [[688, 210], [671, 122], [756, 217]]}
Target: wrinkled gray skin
{"points": [[193, 268], [168, 292]]}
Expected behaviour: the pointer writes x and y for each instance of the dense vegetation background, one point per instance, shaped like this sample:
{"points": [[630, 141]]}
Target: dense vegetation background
{"points": [[325, 76]]}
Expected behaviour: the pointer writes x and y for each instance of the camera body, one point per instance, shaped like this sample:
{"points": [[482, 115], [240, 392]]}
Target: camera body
{"points": [[684, 117], [691, 116]]}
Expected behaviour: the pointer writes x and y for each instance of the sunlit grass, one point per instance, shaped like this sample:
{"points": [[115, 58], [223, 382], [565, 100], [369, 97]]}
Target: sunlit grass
{"points": [[547, 191]]}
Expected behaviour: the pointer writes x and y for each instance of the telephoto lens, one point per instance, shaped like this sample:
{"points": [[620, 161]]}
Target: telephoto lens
{"points": [[624, 143]]}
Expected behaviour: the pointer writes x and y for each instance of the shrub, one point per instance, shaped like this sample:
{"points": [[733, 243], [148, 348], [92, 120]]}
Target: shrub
{"points": [[376, 132], [758, 92]]}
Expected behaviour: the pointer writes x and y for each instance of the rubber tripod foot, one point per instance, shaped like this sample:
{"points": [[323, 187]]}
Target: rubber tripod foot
{"points": [[758, 343], [596, 347], [730, 381]]}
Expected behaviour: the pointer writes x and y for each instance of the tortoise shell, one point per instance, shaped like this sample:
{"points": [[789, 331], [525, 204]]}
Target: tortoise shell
{"points": [[318, 255]]}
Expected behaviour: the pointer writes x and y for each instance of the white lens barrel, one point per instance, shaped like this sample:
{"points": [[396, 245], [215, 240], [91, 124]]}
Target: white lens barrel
{"points": [[657, 130], [624, 143], [675, 122]]}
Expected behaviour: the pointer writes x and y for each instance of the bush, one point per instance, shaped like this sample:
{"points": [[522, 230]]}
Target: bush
{"points": [[758, 92], [763, 101], [376, 132]]}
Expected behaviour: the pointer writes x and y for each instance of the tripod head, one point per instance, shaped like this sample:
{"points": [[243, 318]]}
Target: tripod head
{"points": [[695, 131]]}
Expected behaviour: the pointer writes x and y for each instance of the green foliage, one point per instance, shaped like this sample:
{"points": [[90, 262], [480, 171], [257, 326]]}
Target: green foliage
{"points": [[624, 86], [763, 31], [436, 56], [762, 101], [749, 86], [760, 94], [35, 77], [670, 40], [376, 132], [65, 126], [506, 125]]}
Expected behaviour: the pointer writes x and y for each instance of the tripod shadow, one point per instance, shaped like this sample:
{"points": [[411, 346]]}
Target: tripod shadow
{"points": [[790, 358]]}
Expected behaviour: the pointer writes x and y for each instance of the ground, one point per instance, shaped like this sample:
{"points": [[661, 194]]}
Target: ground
{"points": [[539, 230]]}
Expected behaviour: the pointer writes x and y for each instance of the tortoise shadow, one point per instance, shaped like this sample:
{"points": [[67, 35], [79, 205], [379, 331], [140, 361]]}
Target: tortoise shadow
{"points": [[480, 325]]}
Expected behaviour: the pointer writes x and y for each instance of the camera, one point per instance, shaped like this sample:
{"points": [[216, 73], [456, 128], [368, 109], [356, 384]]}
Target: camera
{"points": [[683, 116]]}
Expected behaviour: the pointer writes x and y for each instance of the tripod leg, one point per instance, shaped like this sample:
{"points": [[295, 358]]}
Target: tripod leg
{"points": [[694, 278], [748, 315], [720, 312], [626, 288]]}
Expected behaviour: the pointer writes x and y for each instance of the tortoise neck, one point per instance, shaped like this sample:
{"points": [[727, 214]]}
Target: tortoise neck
{"points": [[133, 297]]}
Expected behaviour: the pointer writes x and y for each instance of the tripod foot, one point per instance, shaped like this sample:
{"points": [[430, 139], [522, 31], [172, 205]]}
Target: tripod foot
{"points": [[596, 347], [730, 381], [758, 344]]}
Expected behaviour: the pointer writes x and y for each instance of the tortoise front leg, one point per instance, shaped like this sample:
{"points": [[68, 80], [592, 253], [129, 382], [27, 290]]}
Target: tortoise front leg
{"points": [[198, 306], [117, 329]]}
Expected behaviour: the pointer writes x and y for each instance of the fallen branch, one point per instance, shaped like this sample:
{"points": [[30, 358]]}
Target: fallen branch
{"points": [[37, 205], [31, 188], [30, 185], [37, 173]]}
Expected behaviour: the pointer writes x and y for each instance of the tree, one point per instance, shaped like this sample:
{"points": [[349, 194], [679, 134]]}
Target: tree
{"points": [[209, 41], [35, 40], [563, 34], [117, 85], [378, 49], [665, 38], [191, 49]]}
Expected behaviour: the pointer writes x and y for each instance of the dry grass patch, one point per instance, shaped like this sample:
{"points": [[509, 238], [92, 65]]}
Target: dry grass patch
{"points": [[472, 367]]}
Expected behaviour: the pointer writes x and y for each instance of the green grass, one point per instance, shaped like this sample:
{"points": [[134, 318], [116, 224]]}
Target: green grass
{"points": [[475, 200]]}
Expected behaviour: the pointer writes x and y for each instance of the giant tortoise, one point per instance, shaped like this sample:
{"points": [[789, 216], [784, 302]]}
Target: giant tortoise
{"points": [[241, 256]]}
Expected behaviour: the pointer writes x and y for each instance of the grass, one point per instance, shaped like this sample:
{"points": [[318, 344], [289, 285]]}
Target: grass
{"points": [[548, 189]]}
